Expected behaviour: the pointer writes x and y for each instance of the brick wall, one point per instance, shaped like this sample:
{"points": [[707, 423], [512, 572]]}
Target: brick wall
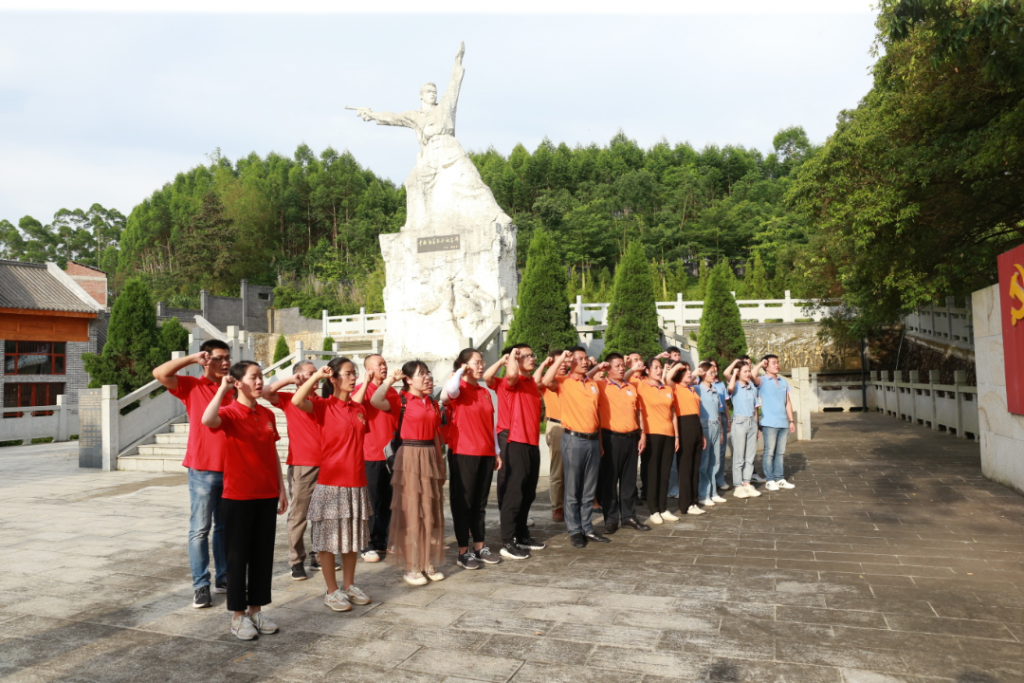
{"points": [[184, 315], [93, 281], [75, 376]]}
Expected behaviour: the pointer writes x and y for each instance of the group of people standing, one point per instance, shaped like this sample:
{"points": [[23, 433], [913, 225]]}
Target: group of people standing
{"points": [[366, 463]]}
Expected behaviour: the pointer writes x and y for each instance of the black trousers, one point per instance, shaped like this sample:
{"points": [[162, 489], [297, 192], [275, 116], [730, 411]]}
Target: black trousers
{"points": [[469, 489], [618, 475], [378, 487], [660, 451], [503, 472], [645, 459], [249, 530], [691, 438], [522, 469]]}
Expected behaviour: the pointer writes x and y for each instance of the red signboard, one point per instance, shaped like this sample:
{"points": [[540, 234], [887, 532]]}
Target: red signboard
{"points": [[1011, 304]]}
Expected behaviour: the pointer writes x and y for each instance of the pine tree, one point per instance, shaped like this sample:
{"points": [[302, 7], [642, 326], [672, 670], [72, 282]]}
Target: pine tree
{"points": [[633, 316], [281, 350], [173, 337], [702, 278], [721, 331], [133, 345], [758, 286], [542, 317], [328, 346]]}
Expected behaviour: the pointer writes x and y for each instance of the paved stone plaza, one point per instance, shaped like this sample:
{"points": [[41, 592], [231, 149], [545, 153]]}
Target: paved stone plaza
{"points": [[893, 561]]}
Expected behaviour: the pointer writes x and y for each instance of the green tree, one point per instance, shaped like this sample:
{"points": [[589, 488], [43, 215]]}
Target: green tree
{"points": [[542, 317], [756, 280], [281, 349], [173, 337], [632, 316], [721, 334], [133, 345], [702, 278], [328, 346]]}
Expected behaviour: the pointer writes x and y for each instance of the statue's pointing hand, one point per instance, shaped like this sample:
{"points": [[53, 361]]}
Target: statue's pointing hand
{"points": [[365, 113], [462, 51]]}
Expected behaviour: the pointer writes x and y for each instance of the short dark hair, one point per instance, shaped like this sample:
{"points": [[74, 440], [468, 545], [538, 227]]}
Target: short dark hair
{"points": [[614, 356], [673, 349], [327, 390], [465, 355], [524, 345], [555, 353], [705, 366], [410, 369], [678, 374], [769, 356], [239, 369], [507, 350], [574, 349], [210, 344]]}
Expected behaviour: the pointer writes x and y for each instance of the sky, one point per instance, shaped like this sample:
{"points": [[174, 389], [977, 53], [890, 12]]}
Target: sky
{"points": [[102, 104]]}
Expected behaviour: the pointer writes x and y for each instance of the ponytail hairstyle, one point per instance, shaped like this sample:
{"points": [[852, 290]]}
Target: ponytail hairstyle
{"points": [[335, 365], [409, 370], [465, 355], [239, 369], [680, 372]]}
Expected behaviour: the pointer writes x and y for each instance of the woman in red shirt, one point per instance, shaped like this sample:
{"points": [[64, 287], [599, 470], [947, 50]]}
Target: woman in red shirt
{"points": [[472, 457], [253, 496], [416, 535], [339, 508]]}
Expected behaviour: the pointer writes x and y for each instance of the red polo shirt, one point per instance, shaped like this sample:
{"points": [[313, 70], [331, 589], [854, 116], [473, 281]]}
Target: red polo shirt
{"points": [[251, 465], [422, 419], [342, 429], [471, 431], [522, 403], [205, 450], [381, 425], [303, 431]]}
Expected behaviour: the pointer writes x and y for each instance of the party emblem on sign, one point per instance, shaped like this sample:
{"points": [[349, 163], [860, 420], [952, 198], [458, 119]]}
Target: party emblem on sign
{"points": [[1017, 293]]}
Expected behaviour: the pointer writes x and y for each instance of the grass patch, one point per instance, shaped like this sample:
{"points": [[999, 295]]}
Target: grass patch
{"points": [[15, 442], [42, 439]]}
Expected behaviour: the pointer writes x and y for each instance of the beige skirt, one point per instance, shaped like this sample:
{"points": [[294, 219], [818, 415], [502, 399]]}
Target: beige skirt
{"points": [[416, 536], [337, 519]]}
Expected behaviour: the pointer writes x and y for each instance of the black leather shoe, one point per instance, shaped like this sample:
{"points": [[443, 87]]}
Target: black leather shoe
{"points": [[597, 538], [578, 541], [634, 523], [611, 528]]}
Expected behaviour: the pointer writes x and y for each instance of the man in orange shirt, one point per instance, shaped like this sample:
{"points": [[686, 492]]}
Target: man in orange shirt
{"points": [[581, 443], [553, 435], [622, 441]]}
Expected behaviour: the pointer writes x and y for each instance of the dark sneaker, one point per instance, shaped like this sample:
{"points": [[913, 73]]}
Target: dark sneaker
{"points": [[486, 556], [514, 552], [468, 560], [597, 538], [220, 588], [314, 563], [298, 573], [578, 541], [202, 597], [530, 543]]}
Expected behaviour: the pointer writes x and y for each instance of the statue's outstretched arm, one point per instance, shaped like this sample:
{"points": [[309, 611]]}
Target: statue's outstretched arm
{"points": [[452, 93], [384, 118]]}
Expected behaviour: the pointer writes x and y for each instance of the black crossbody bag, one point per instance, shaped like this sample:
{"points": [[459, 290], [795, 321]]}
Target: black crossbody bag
{"points": [[391, 448]]}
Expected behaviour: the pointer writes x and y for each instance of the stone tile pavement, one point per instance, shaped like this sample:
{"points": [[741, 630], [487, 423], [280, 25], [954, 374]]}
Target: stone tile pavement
{"points": [[893, 561]]}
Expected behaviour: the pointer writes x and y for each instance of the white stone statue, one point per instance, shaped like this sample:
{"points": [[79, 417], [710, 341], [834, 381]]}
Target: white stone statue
{"points": [[438, 301]]}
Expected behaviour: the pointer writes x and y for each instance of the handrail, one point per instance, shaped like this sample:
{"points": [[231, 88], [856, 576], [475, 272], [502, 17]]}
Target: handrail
{"points": [[139, 393], [210, 328], [29, 409], [287, 360]]}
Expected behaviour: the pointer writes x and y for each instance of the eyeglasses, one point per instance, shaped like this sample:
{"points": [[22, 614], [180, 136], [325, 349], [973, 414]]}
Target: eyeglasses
{"points": [[220, 359]]}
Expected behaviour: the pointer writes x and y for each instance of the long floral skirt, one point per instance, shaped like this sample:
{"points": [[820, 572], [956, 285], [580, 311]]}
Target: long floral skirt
{"points": [[337, 517], [416, 536]]}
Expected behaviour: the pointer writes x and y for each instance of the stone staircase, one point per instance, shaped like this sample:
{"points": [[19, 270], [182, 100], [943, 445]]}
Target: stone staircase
{"points": [[168, 451]]}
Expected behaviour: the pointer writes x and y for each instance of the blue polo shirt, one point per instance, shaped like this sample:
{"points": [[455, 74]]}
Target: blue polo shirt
{"points": [[773, 393], [710, 403], [723, 392], [744, 400]]}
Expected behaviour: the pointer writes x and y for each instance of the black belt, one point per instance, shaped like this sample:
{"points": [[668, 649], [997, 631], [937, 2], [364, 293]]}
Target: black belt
{"points": [[635, 432], [583, 435], [553, 420], [417, 443]]}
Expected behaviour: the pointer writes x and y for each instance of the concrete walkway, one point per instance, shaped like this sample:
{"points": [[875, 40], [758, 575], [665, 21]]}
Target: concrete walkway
{"points": [[893, 561]]}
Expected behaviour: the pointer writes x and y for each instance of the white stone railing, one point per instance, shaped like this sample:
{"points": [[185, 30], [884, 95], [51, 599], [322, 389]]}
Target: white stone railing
{"points": [[21, 424], [361, 323], [947, 324]]}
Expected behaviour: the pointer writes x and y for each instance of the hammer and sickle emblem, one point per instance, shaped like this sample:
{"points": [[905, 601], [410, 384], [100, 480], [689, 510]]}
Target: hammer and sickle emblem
{"points": [[1017, 293]]}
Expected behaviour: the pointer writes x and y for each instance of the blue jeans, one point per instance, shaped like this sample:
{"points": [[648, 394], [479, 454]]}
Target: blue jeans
{"points": [[709, 459], [204, 491], [774, 448], [723, 441], [744, 448], [581, 462]]}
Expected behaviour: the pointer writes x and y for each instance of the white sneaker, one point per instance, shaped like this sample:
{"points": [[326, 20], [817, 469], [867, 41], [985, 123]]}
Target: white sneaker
{"points": [[433, 574], [338, 601], [740, 492], [758, 478], [370, 556], [356, 596], [771, 486], [655, 519], [724, 487], [708, 503], [415, 578], [669, 517], [263, 623], [530, 522], [783, 484], [718, 499], [243, 628], [694, 510], [751, 491]]}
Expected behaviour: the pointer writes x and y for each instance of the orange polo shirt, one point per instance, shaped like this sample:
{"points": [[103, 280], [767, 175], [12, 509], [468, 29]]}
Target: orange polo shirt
{"points": [[656, 408], [617, 405], [687, 401], [579, 400], [552, 402]]}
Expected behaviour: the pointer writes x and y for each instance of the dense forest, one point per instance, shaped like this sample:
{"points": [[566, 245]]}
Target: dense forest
{"points": [[909, 200]]}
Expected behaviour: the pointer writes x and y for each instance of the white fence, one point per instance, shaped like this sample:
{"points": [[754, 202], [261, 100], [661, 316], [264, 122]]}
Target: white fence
{"points": [[58, 422], [362, 324], [947, 324]]}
